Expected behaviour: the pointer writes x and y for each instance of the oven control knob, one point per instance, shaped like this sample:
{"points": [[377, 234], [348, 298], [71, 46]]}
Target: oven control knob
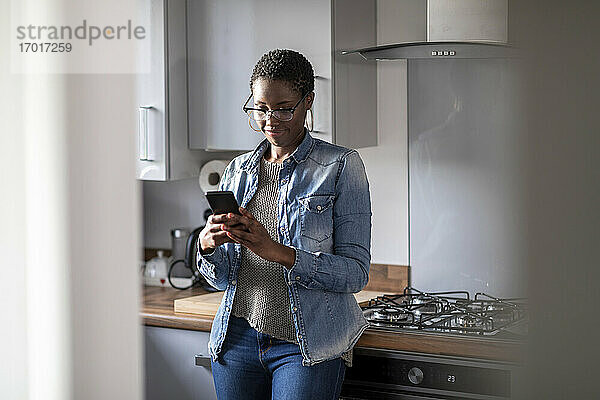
{"points": [[415, 375]]}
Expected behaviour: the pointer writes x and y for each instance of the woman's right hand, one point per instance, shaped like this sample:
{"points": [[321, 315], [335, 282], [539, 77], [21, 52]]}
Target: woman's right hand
{"points": [[212, 235]]}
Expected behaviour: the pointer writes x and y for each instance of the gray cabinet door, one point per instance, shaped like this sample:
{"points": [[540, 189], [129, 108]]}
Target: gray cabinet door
{"points": [[225, 39], [162, 131], [170, 370]]}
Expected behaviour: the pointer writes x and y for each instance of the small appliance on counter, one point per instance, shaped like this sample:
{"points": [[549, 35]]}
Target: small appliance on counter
{"points": [[179, 238], [185, 263]]}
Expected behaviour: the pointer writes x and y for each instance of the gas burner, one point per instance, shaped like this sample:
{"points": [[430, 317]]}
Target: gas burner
{"points": [[485, 306], [503, 317], [391, 315], [423, 305], [469, 321], [387, 314], [472, 306]]}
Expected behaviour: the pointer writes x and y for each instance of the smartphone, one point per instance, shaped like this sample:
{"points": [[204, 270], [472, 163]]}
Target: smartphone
{"points": [[222, 202]]}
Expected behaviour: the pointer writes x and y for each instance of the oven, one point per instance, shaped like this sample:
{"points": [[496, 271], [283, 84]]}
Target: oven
{"points": [[390, 374]]}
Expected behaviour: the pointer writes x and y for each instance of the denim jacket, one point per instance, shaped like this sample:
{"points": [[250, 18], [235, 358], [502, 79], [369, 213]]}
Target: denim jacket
{"points": [[324, 213]]}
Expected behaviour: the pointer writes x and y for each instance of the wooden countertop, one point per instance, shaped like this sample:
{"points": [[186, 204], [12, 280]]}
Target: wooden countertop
{"points": [[157, 310]]}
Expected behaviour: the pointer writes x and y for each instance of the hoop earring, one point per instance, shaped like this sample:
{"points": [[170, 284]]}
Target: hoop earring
{"points": [[309, 121], [251, 127]]}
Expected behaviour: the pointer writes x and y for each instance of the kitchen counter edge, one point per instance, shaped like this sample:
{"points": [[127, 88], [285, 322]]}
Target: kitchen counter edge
{"points": [[157, 310]]}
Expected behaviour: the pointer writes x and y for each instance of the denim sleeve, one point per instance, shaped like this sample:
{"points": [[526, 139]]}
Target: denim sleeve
{"points": [[215, 266], [347, 269]]}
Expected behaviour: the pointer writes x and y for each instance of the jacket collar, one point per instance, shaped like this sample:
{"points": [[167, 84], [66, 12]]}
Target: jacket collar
{"points": [[299, 155]]}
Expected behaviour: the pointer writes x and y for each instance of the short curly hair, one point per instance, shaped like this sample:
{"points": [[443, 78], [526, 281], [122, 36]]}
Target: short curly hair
{"points": [[285, 65]]}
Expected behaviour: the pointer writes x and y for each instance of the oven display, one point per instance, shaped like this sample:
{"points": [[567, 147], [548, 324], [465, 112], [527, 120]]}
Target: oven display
{"points": [[429, 375]]}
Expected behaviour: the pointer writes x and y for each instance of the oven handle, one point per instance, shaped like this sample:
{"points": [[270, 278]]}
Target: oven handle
{"points": [[202, 361]]}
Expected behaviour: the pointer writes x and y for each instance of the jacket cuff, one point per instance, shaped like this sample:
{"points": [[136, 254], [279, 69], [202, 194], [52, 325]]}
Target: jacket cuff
{"points": [[304, 268], [210, 259]]}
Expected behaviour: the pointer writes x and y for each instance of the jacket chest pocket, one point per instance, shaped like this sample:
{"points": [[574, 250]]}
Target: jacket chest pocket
{"points": [[316, 217]]}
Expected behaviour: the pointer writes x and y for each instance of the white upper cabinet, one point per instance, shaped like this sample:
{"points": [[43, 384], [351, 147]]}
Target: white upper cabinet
{"points": [[225, 38]]}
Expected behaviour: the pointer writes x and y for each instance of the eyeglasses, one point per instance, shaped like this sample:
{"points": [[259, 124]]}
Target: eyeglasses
{"points": [[282, 114]]}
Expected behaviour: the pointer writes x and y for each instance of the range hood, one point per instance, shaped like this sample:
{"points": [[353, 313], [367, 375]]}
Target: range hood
{"points": [[455, 29], [435, 50]]}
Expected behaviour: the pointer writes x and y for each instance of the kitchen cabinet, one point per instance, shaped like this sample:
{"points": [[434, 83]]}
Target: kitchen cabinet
{"points": [[170, 370], [225, 38], [163, 152]]}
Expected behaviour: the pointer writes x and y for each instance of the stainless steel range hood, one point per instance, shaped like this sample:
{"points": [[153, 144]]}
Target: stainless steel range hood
{"points": [[455, 29], [436, 50]]}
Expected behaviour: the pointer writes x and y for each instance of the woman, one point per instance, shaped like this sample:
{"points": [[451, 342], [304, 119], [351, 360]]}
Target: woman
{"points": [[291, 261]]}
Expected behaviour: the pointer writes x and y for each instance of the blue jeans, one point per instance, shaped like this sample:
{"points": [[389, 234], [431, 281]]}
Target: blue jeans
{"points": [[253, 365]]}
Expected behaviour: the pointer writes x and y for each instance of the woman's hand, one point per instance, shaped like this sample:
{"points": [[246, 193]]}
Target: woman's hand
{"points": [[212, 235], [247, 231]]}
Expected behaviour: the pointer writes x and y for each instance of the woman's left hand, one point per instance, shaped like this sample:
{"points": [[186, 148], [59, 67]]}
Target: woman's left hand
{"points": [[247, 231]]}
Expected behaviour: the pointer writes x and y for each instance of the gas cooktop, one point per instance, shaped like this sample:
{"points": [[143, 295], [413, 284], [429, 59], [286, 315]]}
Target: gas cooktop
{"points": [[454, 312]]}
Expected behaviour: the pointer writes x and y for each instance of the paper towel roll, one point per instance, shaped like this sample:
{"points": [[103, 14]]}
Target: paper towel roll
{"points": [[210, 174]]}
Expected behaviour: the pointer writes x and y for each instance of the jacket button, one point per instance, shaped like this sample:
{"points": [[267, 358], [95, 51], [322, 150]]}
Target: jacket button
{"points": [[297, 278], [233, 282], [300, 337], [294, 309], [319, 208], [227, 308]]}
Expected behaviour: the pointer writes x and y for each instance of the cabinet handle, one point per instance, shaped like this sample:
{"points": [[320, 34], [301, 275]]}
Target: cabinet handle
{"points": [[202, 361], [143, 132]]}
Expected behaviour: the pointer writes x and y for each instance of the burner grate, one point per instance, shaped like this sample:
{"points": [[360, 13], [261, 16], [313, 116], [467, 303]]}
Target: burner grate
{"points": [[451, 312]]}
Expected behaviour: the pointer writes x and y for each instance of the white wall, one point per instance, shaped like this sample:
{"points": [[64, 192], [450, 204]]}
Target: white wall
{"points": [[387, 165], [181, 204], [169, 205]]}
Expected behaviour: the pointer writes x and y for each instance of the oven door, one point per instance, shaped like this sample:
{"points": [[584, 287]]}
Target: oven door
{"points": [[358, 394], [388, 374]]}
